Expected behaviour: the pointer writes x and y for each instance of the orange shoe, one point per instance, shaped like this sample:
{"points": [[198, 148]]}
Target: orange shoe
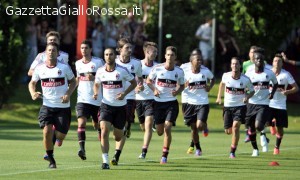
{"points": [[276, 151], [205, 132]]}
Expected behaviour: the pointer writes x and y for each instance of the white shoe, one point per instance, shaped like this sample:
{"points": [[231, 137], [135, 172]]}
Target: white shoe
{"points": [[263, 140], [265, 148], [255, 153]]}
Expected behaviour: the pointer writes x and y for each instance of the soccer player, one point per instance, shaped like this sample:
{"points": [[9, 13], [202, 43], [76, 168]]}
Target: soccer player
{"points": [[63, 57], [145, 98], [113, 78], [238, 90], [187, 67], [135, 68], [278, 103], [197, 106], [58, 83], [163, 80], [86, 106], [258, 106]]}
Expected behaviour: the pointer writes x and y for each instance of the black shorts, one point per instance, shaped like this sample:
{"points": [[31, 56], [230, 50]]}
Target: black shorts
{"points": [[231, 114], [281, 117], [165, 111], [196, 112], [186, 110], [59, 117], [130, 110], [116, 115], [87, 110], [144, 108], [255, 112]]}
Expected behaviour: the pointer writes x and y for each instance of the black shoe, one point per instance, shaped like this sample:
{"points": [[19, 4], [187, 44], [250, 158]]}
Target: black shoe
{"points": [[105, 166], [52, 165], [128, 133], [114, 162], [81, 154]]}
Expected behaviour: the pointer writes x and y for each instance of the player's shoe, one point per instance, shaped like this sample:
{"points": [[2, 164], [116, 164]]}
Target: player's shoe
{"points": [[52, 165], [82, 155], [255, 153], [190, 150], [46, 157], [114, 162], [205, 132], [163, 160], [58, 142], [232, 155], [105, 166], [142, 155], [247, 138], [276, 151], [198, 152]]}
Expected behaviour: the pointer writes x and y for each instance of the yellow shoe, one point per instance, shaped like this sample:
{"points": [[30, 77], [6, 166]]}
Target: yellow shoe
{"points": [[190, 150]]}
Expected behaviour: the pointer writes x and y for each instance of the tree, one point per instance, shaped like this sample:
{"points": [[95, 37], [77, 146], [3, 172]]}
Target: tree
{"points": [[12, 36]]}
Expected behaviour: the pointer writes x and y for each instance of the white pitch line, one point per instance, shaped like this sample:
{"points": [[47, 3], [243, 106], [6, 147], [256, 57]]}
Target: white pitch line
{"points": [[80, 167]]}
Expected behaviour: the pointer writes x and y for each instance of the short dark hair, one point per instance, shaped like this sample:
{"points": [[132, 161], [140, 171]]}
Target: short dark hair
{"points": [[172, 48], [196, 52], [236, 58], [279, 56], [53, 44], [53, 33], [87, 42]]}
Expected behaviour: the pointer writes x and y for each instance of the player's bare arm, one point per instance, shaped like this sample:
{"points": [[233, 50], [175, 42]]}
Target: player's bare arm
{"points": [[221, 90]]}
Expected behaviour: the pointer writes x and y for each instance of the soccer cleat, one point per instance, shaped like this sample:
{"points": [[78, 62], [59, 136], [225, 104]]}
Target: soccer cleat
{"points": [[114, 162], [205, 132], [232, 155], [82, 155], [247, 139], [198, 152], [255, 153], [163, 160], [276, 151], [105, 166], [142, 156], [190, 150], [52, 165], [46, 157], [58, 142]]}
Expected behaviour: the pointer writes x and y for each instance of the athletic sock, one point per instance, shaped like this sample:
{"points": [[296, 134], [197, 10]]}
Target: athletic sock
{"points": [[165, 152], [198, 146], [50, 156], [105, 158], [81, 137], [278, 140], [233, 149], [117, 154], [253, 140], [192, 144]]}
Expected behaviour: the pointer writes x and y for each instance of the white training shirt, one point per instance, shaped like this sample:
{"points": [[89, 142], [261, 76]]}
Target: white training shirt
{"points": [[197, 83], [113, 83], [85, 87], [261, 85], [134, 67], [62, 57], [54, 82], [235, 89], [166, 81], [147, 94], [283, 79], [186, 67]]}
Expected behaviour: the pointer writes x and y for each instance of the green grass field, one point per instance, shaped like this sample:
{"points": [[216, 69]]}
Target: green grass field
{"points": [[21, 150]]}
